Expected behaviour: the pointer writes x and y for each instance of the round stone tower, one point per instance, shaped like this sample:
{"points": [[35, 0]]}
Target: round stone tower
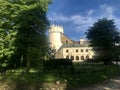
{"points": [[55, 36]]}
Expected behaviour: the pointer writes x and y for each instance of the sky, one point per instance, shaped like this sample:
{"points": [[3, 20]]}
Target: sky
{"points": [[76, 16]]}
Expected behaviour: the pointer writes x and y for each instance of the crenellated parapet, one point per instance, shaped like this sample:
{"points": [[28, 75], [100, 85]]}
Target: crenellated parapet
{"points": [[56, 28]]}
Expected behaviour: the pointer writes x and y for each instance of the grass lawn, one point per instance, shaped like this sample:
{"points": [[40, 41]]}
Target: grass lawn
{"points": [[85, 75]]}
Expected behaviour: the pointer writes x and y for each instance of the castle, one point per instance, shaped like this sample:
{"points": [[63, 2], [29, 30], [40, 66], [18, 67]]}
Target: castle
{"points": [[66, 48]]}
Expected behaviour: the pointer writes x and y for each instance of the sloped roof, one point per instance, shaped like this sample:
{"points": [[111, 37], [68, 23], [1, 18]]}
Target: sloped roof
{"points": [[85, 44], [64, 38]]}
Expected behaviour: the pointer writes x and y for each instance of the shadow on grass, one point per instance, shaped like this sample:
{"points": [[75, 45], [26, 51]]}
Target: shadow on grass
{"points": [[20, 81], [59, 79]]}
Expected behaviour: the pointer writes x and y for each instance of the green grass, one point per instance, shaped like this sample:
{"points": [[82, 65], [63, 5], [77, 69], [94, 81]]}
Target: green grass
{"points": [[82, 76]]}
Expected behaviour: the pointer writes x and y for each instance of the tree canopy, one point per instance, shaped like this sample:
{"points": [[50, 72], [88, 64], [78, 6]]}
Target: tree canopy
{"points": [[23, 24], [102, 36]]}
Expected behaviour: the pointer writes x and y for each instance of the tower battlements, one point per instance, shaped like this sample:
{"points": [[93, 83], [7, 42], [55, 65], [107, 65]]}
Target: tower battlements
{"points": [[56, 28]]}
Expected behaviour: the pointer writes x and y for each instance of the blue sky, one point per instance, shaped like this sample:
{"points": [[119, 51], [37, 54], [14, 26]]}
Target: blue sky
{"points": [[76, 16]]}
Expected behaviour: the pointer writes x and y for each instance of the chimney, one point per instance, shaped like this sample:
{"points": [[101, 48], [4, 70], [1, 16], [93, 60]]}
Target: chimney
{"points": [[82, 41]]}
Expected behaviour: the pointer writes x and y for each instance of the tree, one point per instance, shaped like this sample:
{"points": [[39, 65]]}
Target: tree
{"points": [[7, 33], [26, 23], [102, 36]]}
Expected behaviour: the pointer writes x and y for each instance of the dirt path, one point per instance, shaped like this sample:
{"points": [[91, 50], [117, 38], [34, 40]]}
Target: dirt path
{"points": [[112, 84]]}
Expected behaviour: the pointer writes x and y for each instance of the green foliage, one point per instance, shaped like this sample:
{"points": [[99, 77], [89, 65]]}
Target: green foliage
{"points": [[102, 36], [23, 24], [7, 33]]}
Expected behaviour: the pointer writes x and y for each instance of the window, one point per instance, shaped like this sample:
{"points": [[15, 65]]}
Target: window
{"points": [[77, 57], [87, 57], [76, 50], [66, 42], [67, 51], [72, 57], [67, 57], [86, 50], [81, 50], [82, 57]]}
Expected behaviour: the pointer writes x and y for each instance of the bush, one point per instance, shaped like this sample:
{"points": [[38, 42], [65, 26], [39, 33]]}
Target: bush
{"points": [[57, 63], [92, 60]]}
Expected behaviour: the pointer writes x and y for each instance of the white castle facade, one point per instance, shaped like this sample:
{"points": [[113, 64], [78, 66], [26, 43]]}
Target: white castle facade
{"points": [[66, 48]]}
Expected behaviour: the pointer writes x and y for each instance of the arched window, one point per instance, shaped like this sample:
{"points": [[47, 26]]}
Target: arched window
{"points": [[77, 57], [67, 57], [82, 57], [87, 57], [86, 50], [72, 57]]}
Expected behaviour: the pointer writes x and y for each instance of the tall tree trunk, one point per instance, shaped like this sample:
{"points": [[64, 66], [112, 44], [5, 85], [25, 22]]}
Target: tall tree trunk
{"points": [[28, 64]]}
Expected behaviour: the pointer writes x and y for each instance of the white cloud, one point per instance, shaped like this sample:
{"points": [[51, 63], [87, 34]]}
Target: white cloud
{"points": [[58, 17], [82, 22], [107, 10], [90, 12]]}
